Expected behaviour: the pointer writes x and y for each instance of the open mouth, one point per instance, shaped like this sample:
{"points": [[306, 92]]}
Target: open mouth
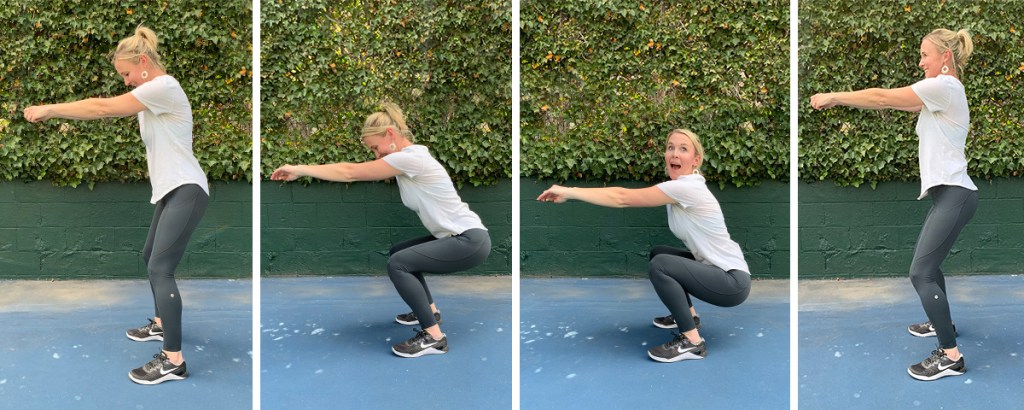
{"points": [[675, 166]]}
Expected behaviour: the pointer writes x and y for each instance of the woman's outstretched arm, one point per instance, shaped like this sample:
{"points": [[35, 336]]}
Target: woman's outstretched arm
{"points": [[89, 109], [903, 98], [612, 197], [340, 172]]}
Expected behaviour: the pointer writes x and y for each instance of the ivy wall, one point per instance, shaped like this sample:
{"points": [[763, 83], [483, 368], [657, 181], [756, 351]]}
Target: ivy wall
{"points": [[59, 51]]}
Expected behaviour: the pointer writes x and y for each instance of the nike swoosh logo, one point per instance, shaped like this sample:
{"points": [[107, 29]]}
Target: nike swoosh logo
{"points": [[164, 373], [424, 345], [946, 367]]}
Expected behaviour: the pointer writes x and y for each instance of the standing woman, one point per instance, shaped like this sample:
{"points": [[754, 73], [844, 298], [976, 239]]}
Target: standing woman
{"points": [[942, 132], [713, 270], [180, 191], [458, 239]]}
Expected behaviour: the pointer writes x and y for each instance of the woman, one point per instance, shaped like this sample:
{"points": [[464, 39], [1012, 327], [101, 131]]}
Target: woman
{"points": [[180, 191], [713, 270], [458, 239], [942, 131]]}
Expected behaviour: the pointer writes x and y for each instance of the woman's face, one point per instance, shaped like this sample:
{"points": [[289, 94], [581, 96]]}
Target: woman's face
{"points": [[931, 59], [130, 72], [680, 156], [379, 144]]}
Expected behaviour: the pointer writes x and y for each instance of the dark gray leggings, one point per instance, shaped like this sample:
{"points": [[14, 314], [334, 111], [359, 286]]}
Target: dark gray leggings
{"points": [[175, 218], [411, 258], [676, 275], [952, 207]]}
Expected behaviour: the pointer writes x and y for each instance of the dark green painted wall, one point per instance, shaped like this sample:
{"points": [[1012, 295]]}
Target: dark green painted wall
{"points": [[579, 239], [347, 229], [48, 232], [861, 232]]}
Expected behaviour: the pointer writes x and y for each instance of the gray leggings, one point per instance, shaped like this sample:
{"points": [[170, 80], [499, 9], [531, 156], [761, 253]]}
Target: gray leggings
{"points": [[952, 207], [411, 258], [676, 275], [175, 218]]}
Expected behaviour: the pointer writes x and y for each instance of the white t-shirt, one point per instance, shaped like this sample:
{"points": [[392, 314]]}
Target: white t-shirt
{"points": [[942, 133], [166, 128], [696, 219], [427, 189]]}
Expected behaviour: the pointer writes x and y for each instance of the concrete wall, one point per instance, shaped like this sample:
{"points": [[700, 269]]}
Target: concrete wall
{"points": [[860, 232], [48, 232], [579, 239], [347, 229]]}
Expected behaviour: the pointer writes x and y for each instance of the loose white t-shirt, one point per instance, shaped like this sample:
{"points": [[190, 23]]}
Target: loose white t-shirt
{"points": [[427, 190], [696, 219], [166, 128], [942, 133]]}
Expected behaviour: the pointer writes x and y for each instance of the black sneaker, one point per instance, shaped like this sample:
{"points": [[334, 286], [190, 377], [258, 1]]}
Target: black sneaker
{"points": [[678, 349], [925, 329], [158, 370], [152, 331], [937, 366], [668, 322], [421, 344], [410, 318]]}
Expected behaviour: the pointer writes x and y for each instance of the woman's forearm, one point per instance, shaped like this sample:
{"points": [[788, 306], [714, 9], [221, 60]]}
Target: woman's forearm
{"points": [[88, 109], [612, 197], [329, 172]]}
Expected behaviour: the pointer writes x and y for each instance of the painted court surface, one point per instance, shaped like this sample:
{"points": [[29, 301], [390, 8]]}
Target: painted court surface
{"points": [[326, 343], [62, 345], [855, 347], [583, 345]]}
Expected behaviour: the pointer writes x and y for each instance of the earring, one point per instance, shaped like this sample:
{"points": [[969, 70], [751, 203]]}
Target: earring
{"points": [[945, 69], [392, 146], [145, 74]]}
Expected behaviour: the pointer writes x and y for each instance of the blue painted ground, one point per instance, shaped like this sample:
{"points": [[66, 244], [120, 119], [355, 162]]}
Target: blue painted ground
{"points": [[326, 343], [583, 345], [63, 345], [855, 348]]}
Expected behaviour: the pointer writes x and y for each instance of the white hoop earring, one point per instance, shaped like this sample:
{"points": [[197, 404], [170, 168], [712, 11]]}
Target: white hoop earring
{"points": [[392, 146], [945, 69], [145, 74]]}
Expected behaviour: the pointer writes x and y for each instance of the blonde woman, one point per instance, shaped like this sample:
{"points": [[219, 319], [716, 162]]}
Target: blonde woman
{"points": [[712, 269], [942, 127], [180, 190], [458, 239]]}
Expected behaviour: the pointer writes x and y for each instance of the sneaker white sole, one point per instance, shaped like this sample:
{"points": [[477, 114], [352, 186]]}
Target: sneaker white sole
{"points": [[164, 378], [145, 339], [656, 324], [684, 356], [401, 322], [939, 375], [424, 352]]}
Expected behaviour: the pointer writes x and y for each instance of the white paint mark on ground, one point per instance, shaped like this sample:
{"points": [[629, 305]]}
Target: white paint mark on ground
{"points": [[78, 398], [4, 381], [590, 337], [317, 331], [548, 334], [235, 359], [534, 372], [570, 376], [917, 402], [571, 334], [500, 330], [1013, 354], [968, 381], [56, 356], [839, 354], [278, 338], [644, 343], [200, 348], [483, 359], [288, 366], [856, 395], [624, 329], [318, 371], [759, 334], [529, 341]]}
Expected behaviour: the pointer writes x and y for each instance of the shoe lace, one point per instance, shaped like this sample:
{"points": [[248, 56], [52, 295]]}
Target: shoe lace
{"points": [[936, 356]]}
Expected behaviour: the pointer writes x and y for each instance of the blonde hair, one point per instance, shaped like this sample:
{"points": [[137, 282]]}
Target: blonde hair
{"points": [[390, 116], [958, 43], [143, 43], [695, 140]]}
